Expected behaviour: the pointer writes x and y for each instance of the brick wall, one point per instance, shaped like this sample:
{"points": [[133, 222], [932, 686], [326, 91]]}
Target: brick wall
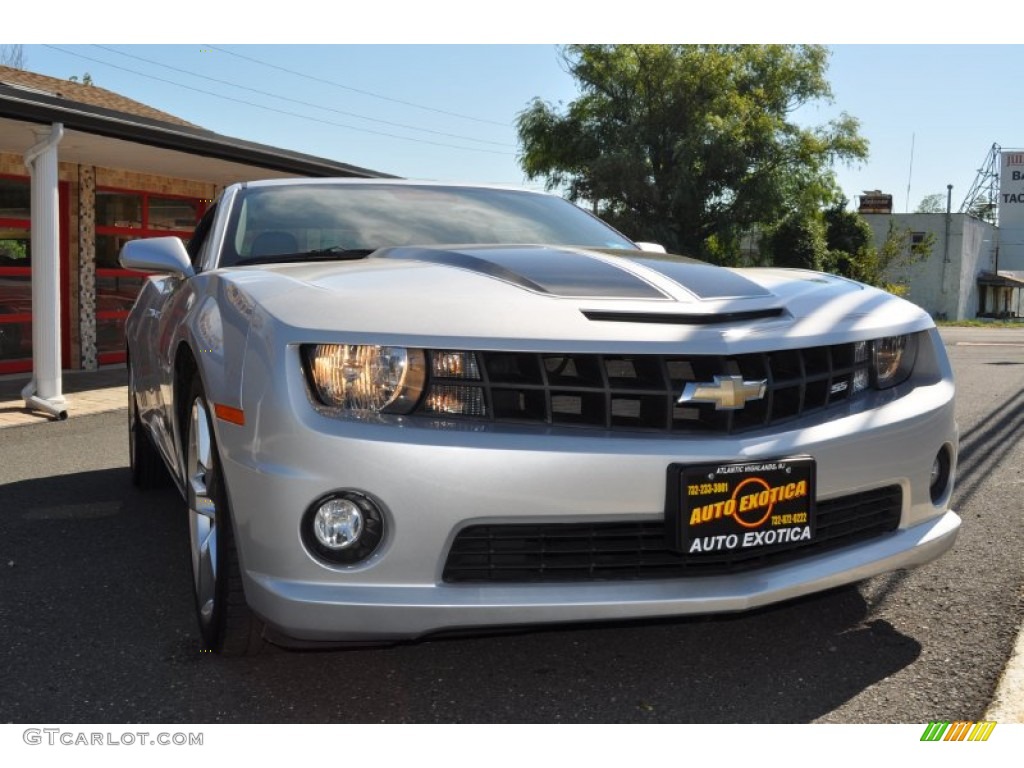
{"points": [[110, 177]]}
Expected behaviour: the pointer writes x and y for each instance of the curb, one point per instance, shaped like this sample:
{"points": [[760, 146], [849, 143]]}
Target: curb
{"points": [[1008, 701], [13, 413]]}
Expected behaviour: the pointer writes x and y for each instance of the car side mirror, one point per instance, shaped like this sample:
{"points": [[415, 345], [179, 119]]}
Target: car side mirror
{"points": [[157, 254], [651, 247]]}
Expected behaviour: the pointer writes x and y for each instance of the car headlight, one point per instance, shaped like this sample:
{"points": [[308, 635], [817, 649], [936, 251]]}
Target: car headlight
{"points": [[883, 363], [893, 360], [365, 379]]}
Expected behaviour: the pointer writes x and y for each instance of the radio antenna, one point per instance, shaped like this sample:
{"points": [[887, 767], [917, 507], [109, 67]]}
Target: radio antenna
{"points": [[910, 175]]}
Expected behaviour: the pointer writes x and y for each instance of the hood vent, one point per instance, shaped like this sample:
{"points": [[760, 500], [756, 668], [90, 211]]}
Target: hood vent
{"points": [[675, 318]]}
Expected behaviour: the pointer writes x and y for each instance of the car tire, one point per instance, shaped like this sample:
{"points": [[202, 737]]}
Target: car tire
{"points": [[148, 470], [226, 623]]}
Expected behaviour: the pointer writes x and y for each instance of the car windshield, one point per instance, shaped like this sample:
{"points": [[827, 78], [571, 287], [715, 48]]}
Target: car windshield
{"points": [[334, 219]]}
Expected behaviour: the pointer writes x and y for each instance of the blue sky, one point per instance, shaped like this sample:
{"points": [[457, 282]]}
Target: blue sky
{"points": [[444, 111]]}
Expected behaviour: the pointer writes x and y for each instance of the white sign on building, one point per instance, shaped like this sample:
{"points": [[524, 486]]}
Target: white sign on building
{"points": [[1011, 210]]}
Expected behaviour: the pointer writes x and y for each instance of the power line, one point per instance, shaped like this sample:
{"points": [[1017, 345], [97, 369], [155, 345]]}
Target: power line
{"points": [[302, 103], [356, 90], [278, 111]]}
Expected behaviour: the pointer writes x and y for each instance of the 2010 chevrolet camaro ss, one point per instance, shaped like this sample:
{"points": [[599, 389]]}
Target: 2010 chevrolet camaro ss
{"points": [[397, 408]]}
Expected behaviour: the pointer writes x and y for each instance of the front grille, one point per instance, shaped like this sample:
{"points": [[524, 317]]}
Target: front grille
{"points": [[639, 392], [623, 551]]}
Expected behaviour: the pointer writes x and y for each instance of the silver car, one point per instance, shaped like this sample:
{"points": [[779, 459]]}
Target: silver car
{"points": [[396, 409]]}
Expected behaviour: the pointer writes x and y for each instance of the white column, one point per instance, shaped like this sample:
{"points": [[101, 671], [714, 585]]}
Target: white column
{"points": [[44, 391]]}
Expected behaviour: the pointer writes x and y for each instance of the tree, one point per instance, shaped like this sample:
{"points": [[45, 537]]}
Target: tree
{"points": [[933, 203], [984, 209], [798, 241], [86, 79], [690, 145], [841, 241], [849, 240], [897, 252], [12, 56]]}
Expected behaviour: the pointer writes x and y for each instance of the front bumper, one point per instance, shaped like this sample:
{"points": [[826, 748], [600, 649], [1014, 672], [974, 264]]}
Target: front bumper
{"points": [[328, 612], [433, 480]]}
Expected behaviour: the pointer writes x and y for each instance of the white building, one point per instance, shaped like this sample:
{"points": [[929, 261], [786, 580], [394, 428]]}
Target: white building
{"points": [[959, 279], [975, 269]]}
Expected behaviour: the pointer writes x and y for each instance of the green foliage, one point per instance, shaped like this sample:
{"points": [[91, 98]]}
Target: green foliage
{"points": [[933, 203], [798, 241], [882, 266], [979, 323], [13, 251], [898, 252], [690, 145], [840, 241], [849, 239]]}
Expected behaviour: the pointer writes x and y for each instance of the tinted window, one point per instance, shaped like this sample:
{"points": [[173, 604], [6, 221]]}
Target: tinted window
{"points": [[371, 216]]}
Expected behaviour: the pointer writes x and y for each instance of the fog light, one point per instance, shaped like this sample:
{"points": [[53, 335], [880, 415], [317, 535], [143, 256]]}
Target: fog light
{"points": [[938, 483], [344, 527], [338, 524]]}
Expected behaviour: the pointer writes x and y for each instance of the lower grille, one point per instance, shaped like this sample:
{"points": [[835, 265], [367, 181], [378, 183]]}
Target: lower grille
{"points": [[525, 553]]}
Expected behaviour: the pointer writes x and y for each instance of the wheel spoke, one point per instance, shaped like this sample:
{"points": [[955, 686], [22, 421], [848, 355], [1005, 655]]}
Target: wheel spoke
{"points": [[207, 584], [200, 502]]}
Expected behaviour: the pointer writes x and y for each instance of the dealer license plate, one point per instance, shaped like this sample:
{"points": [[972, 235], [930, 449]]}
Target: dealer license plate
{"points": [[717, 509]]}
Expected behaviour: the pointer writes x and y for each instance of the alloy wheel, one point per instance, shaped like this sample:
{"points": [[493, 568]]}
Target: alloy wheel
{"points": [[202, 510]]}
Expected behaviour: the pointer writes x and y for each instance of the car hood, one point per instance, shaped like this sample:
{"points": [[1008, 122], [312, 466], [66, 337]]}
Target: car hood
{"points": [[558, 297]]}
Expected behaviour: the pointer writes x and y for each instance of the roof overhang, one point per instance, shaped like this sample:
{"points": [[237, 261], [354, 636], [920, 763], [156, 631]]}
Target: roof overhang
{"points": [[1004, 279], [105, 138]]}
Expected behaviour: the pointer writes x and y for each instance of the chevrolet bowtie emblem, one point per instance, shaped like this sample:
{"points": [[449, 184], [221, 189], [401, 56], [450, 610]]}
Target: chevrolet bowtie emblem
{"points": [[728, 393]]}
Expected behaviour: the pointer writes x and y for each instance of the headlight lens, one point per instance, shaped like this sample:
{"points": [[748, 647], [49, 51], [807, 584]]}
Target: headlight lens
{"points": [[366, 379], [893, 360]]}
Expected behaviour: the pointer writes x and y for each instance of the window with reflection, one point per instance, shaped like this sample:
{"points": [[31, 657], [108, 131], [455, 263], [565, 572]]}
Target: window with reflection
{"points": [[173, 214], [15, 198], [122, 216], [118, 209], [108, 248], [15, 296]]}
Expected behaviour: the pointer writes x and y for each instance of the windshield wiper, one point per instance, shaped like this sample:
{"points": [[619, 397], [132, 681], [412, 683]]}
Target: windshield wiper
{"points": [[333, 253]]}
